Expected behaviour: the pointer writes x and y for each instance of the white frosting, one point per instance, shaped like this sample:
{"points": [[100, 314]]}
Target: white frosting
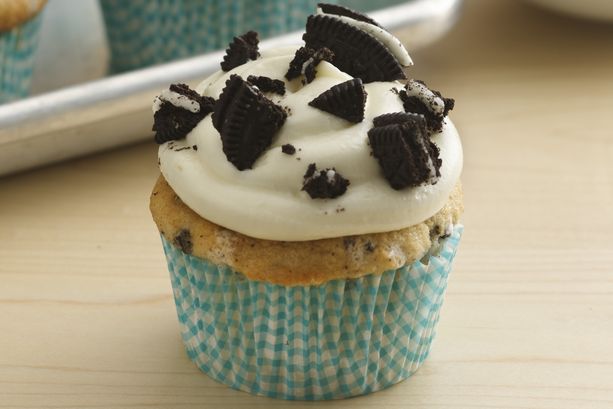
{"points": [[385, 37], [267, 202], [176, 99], [429, 98]]}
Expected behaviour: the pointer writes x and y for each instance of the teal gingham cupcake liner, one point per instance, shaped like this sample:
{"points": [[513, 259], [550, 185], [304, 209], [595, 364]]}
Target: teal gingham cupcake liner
{"points": [[339, 339], [147, 32], [17, 48]]}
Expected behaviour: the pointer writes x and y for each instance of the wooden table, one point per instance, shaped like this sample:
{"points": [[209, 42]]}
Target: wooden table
{"points": [[86, 312]]}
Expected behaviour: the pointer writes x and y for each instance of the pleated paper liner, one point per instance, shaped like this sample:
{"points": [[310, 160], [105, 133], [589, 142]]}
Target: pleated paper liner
{"points": [[340, 339]]}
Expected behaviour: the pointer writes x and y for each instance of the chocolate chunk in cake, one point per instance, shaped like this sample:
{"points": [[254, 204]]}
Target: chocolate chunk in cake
{"points": [[183, 240], [345, 100], [242, 49], [324, 184], [177, 111], [355, 52], [247, 122]]}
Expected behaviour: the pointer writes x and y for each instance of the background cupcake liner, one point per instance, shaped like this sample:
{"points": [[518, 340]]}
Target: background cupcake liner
{"points": [[17, 48], [336, 340], [147, 32]]}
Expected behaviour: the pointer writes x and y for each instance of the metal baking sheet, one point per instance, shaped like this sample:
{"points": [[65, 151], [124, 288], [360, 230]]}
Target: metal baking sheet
{"points": [[116, 110]]}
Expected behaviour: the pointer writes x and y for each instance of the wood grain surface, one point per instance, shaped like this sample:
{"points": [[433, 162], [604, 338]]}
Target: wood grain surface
{"points": [[87, 318]]}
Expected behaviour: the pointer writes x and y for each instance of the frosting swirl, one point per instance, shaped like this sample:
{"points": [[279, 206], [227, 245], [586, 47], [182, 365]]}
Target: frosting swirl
{"points": [[267, 201]]}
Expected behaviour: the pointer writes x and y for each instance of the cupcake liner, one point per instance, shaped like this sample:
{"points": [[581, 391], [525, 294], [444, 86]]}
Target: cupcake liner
{"points": [[339, 339], [147, 32], [17, 48]]}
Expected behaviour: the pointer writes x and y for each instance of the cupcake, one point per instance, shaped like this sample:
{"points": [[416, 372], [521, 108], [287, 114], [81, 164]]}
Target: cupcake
{"points": [[147, 32], [308, 206], [19, 26]]}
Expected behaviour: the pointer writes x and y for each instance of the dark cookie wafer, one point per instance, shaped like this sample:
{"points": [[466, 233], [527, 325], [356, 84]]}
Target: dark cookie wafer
{"points": [[324, 184], [405, 154], [266, 84], [346, 12], [345, 100], [241, 50], [396, 118], [172, 122], [305, 62], [355, 52], [413, 104], [246, 121], [186, 91]]}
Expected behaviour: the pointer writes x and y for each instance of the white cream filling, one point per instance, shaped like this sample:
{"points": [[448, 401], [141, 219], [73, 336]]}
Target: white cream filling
{"points": [[385, 37], [305, 65], [176, 99]]}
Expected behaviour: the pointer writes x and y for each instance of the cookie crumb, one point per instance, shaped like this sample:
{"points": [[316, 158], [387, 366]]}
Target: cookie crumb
{"points": [[324, 184], [183, 240], [288, 149], [348, 242]]}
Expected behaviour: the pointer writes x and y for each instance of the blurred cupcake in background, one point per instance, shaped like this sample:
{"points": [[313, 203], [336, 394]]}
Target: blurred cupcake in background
{"points": [[147, 32], [19, 26]]}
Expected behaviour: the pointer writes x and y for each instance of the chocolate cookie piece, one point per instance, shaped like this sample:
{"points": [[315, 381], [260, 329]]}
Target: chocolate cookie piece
{"points": [[183, 240], [338, 10], [288, 149], [355, 52], [405, 154], [397, 118], [306, 60], [266, 84], [177, 111], [242, 49], [417, 98], [324, 184], [345, 100], [246, 120]]}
